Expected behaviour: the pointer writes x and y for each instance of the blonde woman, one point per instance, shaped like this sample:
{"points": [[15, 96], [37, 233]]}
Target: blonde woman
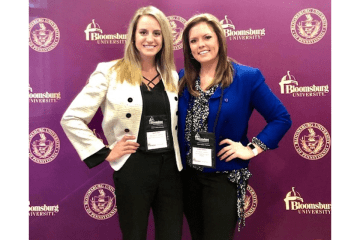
{"points": [[216, 99], [138, 98]]}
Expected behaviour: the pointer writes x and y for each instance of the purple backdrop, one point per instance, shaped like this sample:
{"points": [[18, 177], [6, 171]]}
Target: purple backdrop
{"points": [[289, 41]]}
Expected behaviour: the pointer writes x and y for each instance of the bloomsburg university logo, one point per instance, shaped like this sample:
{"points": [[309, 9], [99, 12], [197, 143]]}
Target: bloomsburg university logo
{"points": [[312, 141], [251, 201], [100, 201], [308, 26], [44, 145], [233, 34], [43, 211], [177, 27], [44, 35], [294, 202], [44, 97], [289, 85], [94, 33]]}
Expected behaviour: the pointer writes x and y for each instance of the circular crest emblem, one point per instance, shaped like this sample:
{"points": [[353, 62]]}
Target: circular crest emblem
{"points": [[177, 26], [44, 145], [44, 35], [308, 26], [100, 201], [312, 141], [251, 201]]}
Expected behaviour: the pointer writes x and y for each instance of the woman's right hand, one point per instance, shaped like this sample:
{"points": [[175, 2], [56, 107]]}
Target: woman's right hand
{"points": [[123, 147]]}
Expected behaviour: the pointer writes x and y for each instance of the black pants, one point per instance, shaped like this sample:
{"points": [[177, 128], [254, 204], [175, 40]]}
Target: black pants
{"points": [[149, 181], [209, 205]]}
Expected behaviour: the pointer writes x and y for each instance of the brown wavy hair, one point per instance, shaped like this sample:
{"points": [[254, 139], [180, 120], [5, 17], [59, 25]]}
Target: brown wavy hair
{"points": [[224, 71]]}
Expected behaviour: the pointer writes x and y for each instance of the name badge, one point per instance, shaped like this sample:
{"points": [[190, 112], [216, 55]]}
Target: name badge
{"points": [[157, 136], [203, 149]]}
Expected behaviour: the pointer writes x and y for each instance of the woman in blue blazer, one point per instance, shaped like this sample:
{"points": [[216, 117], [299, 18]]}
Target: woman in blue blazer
{"points": [[216, 99], [138, 98]]}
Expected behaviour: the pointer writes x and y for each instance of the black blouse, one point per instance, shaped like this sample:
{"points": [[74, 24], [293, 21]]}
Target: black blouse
{"points": [[155, 102]]}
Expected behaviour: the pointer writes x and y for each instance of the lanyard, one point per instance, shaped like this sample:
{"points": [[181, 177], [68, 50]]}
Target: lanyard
{"points": [[203, 143]]}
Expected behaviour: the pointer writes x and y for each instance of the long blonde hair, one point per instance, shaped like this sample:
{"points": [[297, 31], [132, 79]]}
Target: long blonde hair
{"points": [[129, 67], [224, 71]]}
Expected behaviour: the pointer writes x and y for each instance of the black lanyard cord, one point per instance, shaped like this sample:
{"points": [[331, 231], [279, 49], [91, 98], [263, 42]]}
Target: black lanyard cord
{"points": [[218, 113]]}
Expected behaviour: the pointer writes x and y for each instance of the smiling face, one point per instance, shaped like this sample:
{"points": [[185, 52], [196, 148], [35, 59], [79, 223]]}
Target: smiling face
{"points": [[148, 37], [204, 43]]}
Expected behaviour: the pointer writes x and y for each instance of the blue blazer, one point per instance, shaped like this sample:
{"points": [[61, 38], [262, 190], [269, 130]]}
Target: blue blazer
{"points": [[247, 92]]}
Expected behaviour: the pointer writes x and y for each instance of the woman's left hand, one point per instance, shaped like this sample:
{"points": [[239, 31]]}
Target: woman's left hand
{"points": [[234, 150]]}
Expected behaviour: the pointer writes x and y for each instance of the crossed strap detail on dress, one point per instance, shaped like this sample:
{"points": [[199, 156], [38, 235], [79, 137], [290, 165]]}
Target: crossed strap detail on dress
{"points": [[151, 81]]}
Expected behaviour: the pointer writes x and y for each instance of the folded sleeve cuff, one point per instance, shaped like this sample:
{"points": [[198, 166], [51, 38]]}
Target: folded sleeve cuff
{"points": [[97, 157], [260, 144]]}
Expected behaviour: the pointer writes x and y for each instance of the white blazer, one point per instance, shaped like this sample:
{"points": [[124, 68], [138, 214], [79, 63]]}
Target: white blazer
{"points": [[116, 101]]}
